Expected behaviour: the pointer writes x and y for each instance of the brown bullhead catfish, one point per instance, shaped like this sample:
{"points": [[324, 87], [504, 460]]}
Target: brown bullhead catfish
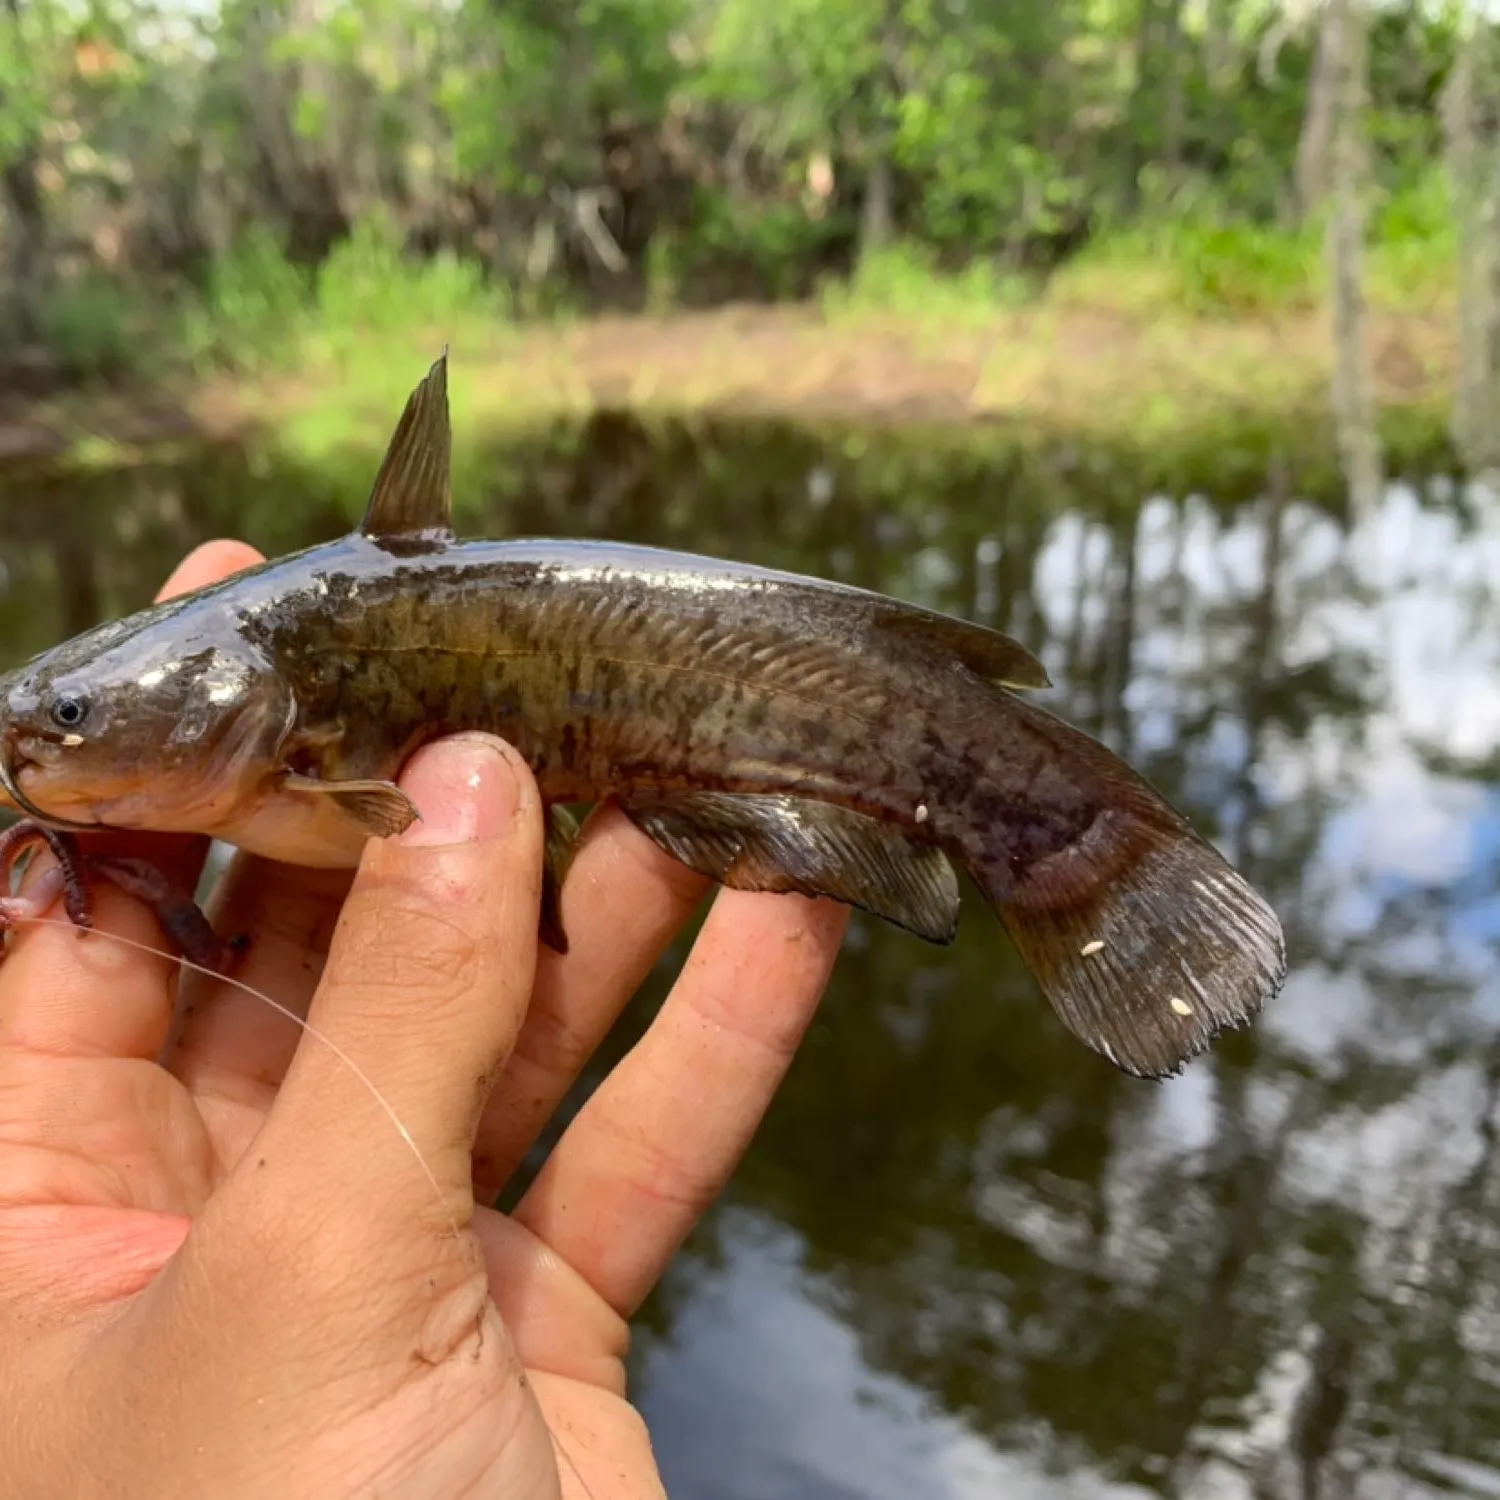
{"points": [[776, 733]]}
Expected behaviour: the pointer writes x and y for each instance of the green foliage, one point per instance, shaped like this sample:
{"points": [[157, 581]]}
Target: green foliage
{"points": [[256, 304], [94, 328], [261, 311], [777, 240], [1415, 246], [368, 289], [300, 178], [904, 281], [30, 46], [524, 81], [1203, 265]]}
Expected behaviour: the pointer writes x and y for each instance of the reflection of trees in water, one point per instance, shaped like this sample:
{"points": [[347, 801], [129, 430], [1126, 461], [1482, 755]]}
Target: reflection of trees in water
{"points": [[1281, 1263], [1282, 1266]]}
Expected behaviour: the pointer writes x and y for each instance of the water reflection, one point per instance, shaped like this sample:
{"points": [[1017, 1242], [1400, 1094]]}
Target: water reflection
{"points": [[965, 1256], [754, 1356]]}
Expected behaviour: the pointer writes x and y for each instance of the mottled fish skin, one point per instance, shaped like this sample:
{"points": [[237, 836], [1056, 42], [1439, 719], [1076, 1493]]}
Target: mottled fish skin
{"points": [[611, 668], [640, 674]]}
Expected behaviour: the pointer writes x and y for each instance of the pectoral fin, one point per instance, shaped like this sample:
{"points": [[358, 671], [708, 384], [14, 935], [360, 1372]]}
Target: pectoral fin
{"points": [[560, 846], [774, 843], [380, 808]]}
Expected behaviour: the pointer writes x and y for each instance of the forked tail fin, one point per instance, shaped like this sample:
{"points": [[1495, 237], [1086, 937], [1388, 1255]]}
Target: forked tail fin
{"points": [[1143, 938]]}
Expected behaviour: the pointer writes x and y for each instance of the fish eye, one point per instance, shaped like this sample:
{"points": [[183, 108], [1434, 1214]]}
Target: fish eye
{"points": [[69, 712]]}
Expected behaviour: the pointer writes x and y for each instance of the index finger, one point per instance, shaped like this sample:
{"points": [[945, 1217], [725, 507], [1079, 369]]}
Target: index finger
{"points": [[207, 564]]}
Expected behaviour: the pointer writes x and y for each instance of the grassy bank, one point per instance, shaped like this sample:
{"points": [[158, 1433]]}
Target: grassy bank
{"points": [[1180, 343]]}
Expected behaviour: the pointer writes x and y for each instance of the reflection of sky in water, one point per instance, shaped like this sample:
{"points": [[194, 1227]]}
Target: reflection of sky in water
{"points": [[779, 1405], [1404, 866], [1412, 595], [767, 1398]]}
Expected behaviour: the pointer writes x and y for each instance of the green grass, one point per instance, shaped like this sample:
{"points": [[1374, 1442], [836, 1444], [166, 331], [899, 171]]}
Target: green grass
{"points": [[1198, 268], [1413, 260], [349, 334], [903, 281], [95, 328], [260, 313], [1199, 265]]}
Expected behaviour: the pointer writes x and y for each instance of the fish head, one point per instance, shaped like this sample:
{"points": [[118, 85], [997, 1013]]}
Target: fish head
{"points": [[146, 723]]}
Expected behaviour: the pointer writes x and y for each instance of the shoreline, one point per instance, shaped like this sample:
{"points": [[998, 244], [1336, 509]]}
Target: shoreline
{"points": [[1050, 374]]}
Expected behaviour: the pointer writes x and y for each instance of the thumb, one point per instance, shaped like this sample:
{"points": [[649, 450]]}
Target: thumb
{"points": [[427, 982]]}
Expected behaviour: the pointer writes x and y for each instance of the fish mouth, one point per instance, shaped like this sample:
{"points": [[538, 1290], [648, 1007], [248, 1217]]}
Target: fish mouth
{"points": [[10, 781]]}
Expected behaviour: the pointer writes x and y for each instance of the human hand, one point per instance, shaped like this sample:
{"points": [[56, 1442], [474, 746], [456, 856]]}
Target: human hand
{"points": [[222, 1270]]}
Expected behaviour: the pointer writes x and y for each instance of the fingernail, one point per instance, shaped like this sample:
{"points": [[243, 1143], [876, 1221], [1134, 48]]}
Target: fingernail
{"points": [[466, 788]]}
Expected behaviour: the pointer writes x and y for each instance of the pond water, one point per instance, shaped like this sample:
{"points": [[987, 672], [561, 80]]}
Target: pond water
{"points": [[965, 1257]]}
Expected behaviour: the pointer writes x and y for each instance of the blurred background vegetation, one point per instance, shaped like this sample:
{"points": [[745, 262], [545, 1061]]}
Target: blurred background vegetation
{"points": [[1226, 206]]}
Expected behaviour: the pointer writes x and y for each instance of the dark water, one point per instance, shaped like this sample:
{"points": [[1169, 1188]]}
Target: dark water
{"points": [[965, 1257]]}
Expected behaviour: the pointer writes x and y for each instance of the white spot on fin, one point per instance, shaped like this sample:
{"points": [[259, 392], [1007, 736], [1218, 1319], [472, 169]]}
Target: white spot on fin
{"points": [[1090, 949], [1181, 1006]]}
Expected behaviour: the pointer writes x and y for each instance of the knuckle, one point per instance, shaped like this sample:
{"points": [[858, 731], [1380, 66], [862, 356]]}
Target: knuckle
{"points": [[551, 1043], [665, 1176]]}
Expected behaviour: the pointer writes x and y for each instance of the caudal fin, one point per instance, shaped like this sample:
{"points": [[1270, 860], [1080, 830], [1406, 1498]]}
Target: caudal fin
{"points": [[1143, 938]]}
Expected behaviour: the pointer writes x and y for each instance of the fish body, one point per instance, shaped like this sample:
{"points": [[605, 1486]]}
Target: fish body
{"points": [[773, 731]]}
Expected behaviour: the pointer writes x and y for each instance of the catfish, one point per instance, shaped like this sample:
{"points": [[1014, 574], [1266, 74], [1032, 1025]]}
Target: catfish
{"points": [[771, 731]]}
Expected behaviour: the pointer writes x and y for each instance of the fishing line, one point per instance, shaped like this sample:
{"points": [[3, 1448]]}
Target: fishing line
{"points": [[291, 1015], [327, 1041]]}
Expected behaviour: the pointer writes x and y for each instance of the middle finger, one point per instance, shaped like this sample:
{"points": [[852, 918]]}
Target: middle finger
{"points": [[623, 902], [654, 1146]]}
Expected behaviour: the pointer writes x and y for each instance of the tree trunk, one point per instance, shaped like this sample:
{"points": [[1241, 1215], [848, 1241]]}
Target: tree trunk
{"points": [[877, 226], [1220, 55], [1473, 159], [1173, 118], [1157, 102], [877, 221], [1315, 146], [1343, 44]]}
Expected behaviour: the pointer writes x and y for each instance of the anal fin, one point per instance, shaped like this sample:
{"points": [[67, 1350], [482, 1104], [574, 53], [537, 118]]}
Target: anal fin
{"points": [[755, 842]]}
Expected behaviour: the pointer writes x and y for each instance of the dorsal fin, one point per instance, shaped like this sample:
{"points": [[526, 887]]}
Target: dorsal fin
{"points": [[985, 652], [411, 500]]}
